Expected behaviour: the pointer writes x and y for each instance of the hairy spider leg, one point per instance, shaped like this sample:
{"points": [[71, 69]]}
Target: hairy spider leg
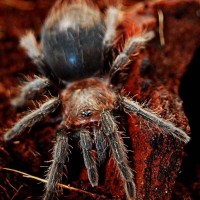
{"points": [[131, 49], [30, 44], [55, 171], [89, 159], [101, 145], [30, 90], [134, 107], [111, 25], [110, 129], [29, 120]]}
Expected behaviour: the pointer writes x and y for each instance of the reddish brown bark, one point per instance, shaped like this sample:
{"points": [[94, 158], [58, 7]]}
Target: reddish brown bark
{"points": [[155, 77]]}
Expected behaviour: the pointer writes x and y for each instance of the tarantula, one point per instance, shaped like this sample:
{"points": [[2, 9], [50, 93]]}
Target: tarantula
{"points": [[75, 39]]}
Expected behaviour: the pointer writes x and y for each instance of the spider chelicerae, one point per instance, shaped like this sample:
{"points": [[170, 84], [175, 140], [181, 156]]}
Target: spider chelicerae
{"points": [[75, 41]]}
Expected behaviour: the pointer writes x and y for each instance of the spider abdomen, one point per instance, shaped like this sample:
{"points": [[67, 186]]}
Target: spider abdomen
{"points": [[72, 42]]}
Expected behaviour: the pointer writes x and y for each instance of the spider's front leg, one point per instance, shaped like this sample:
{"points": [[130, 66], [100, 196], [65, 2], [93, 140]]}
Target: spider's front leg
{"points": [[166, 126], [31, 90], [60, 153], [89, 160], [29, 120], [101, 145], [110, 129]]}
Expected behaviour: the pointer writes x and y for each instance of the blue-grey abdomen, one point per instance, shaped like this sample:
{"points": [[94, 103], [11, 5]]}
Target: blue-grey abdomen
{"points": [[72, 45]]}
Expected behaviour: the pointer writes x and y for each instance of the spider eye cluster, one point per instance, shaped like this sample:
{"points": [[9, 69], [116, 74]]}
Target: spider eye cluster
{"points": [[86, 113], [72, 45]]}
